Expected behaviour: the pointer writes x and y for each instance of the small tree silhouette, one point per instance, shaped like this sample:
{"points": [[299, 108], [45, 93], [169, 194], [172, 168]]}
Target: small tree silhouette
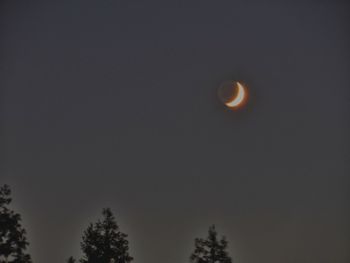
{"points": [[104, 243], [13, 240], [210, 250]]}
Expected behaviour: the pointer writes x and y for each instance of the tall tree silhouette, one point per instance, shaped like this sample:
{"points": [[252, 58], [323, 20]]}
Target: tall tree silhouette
{"points": [[211, 249], [103, 242], [13, 242]]}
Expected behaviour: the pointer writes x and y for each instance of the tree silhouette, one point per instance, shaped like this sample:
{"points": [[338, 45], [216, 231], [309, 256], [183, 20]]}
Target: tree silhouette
{"points": [[104, 243], [70, 260], [13, 242], [210, 250]]}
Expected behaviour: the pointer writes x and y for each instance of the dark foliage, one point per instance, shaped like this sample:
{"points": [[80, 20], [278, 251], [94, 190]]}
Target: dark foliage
{"points": [[13, 242], [70, 260], [104, 243], [210, 250]]}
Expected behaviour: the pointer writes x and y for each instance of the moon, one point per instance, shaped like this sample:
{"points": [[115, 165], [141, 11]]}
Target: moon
{"points": [[238, 99], [233, 94]]}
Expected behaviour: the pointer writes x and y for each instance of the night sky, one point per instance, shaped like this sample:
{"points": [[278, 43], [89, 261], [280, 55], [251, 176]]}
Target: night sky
{"points": [[114, 104]]}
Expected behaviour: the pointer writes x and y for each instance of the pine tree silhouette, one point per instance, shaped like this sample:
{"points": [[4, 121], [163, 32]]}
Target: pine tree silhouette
{"points": [[13, 242], [104, 243], [210, 250]]}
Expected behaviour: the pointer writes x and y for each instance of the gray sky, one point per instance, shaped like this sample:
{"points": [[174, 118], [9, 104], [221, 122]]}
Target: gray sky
{"points": [[113, 104]]}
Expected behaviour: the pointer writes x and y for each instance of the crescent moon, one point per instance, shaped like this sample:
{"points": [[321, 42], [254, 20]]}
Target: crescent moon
{"points": [[239, 98]]}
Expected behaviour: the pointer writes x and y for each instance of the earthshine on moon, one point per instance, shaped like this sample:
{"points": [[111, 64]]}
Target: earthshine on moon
{"points": [[233, 94]]}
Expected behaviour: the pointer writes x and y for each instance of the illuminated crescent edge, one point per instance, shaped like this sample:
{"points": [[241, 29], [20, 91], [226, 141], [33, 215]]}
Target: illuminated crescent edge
{"points": [[236, 101]]}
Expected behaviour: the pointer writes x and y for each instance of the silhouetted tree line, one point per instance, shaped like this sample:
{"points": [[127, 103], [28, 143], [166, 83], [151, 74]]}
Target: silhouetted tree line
{"points": [[102, 241]]}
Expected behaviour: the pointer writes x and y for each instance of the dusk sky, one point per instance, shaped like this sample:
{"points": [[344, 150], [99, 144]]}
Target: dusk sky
{"points": [[114, 104]]}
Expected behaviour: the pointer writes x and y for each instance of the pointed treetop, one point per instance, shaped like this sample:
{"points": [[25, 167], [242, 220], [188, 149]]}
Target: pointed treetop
{"points": [[104, 242], [211, 249]]}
